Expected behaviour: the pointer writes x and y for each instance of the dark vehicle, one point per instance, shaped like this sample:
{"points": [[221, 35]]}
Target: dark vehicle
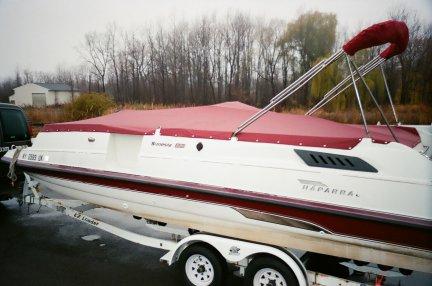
{"points": [[14, 131]]}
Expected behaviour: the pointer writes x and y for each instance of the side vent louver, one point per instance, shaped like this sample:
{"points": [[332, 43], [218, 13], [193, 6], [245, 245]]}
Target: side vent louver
{"points": [[334, 161]]}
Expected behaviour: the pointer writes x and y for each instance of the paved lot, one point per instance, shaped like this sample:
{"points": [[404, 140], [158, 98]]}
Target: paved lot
{"points": [[47, 249]]}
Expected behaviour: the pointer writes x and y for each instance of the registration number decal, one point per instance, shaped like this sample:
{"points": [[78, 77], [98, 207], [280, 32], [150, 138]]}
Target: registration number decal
{"points": [[33, 157]]}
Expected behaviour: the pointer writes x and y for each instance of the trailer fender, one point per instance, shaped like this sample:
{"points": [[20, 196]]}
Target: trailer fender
{"points": [[239, 252]]}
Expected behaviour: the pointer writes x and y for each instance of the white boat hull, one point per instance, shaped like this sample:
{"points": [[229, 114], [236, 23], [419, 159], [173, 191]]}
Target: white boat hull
{"points": [[226, 220], [241, 189]]}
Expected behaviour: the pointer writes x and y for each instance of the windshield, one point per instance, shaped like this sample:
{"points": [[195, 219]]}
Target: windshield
{"points": [[13, 125]]}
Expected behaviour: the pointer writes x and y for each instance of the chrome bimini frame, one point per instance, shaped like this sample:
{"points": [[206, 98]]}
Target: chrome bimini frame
{"points": [[291, 89], [346, 83], [361, 41]]}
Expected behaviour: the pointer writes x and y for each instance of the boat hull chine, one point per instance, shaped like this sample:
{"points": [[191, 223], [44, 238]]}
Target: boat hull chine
{"points": [[241, 215]]}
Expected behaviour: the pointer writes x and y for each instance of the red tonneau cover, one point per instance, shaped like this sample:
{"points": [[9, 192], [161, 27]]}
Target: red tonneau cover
{"points": [[220, 120]]}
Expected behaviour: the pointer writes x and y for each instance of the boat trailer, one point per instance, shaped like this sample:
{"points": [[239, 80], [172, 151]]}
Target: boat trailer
{"points": [[238, 253]]}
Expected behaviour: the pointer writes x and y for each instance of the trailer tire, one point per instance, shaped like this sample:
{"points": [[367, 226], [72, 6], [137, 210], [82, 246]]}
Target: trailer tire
{"points": [[202, 266], [263, 270]]}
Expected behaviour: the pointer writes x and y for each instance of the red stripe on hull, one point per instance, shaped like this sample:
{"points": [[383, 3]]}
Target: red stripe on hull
{"points": [[337, 223]]}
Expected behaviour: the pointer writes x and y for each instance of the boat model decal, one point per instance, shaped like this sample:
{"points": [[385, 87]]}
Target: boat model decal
{"points": [[315, 186], [161, 144], [168, 145]]}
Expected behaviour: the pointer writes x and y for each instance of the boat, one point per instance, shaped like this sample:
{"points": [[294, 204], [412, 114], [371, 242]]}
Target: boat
{"points": [[360, 192]]}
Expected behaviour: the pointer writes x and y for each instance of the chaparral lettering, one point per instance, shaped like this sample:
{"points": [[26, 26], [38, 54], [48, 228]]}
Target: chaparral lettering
{"points": [[319, 187]]}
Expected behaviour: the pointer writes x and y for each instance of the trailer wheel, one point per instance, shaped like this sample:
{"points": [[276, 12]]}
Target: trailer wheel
{"points": [[201, 266], [269, 271]]}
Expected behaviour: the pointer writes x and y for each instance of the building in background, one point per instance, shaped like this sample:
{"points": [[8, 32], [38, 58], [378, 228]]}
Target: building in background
{"points": [[43, 94]]}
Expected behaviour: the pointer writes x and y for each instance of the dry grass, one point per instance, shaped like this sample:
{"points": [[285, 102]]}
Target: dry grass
{"points": [[150, 106], [41, 116], [144, 106], [408, 114]]}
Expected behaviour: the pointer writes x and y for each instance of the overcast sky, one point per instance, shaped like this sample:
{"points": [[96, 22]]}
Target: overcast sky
{"points": [[43, 34]]}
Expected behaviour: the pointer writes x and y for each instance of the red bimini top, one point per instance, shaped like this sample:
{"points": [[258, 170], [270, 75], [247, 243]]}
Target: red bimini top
{"points": [[220, 120]]}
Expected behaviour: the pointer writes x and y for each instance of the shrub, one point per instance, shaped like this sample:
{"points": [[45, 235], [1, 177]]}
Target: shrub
{"points": [[88, 105]]}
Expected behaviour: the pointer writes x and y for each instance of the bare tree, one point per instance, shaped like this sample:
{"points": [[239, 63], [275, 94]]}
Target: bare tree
{"points": [[408, 60], [96, 54], [269, 55], [236, 57]]}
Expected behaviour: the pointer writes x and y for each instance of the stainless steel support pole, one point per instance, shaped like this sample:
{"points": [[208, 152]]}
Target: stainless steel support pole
{"points": [[358, 96], [305, 76], [296, 82], [331, 97], [376, 102], [331, 92], [292, 88], [389, 94]]}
